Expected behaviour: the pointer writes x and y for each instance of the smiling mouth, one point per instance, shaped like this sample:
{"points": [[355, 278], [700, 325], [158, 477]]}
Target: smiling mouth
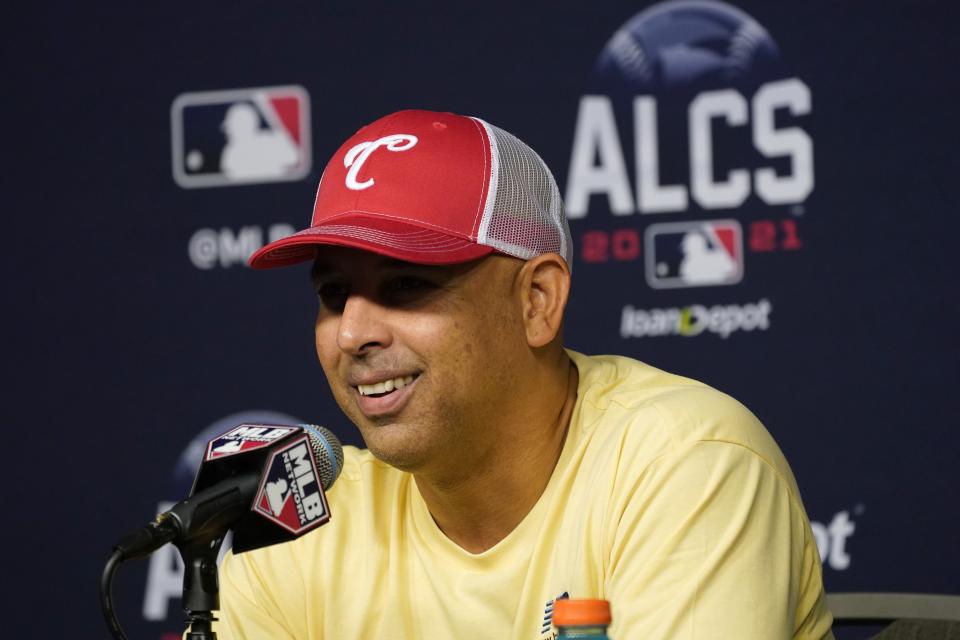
{"points": [[386, 387]]}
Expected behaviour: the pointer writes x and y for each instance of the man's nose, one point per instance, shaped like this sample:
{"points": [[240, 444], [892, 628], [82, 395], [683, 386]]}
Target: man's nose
{"points": [[363, 326]]}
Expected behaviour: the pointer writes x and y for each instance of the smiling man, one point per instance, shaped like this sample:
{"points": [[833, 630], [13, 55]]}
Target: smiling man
{"points": [[503, 471]]}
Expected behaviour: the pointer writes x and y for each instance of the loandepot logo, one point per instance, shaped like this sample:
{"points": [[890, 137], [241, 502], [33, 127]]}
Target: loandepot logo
{"points": [[695, 319], [833, 538]]}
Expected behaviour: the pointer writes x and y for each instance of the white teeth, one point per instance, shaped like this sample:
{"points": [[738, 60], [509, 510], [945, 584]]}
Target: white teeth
{"points": [[385, 386]]}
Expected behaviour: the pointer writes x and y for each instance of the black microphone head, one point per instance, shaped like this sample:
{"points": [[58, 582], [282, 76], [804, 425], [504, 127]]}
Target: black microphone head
{"points": [[327, 452]]}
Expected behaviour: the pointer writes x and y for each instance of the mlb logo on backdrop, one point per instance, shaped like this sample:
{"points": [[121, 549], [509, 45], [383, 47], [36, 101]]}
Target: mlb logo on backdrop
{"points": [[240, 136], [694, 254]]}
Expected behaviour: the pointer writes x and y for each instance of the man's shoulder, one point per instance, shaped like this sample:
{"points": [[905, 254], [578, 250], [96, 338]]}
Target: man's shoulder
{"points": [[631, 401], [630, 383]]}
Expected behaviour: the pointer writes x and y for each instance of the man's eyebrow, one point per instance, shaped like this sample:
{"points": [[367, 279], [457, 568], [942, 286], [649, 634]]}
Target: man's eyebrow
{"points": [[394, 263], [321, 268]]}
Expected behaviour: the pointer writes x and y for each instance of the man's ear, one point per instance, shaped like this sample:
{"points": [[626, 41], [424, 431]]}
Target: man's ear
{"points": [[544, 288]]}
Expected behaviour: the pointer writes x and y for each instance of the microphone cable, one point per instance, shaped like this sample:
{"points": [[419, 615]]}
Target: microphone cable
{"points": [[106, 594]]}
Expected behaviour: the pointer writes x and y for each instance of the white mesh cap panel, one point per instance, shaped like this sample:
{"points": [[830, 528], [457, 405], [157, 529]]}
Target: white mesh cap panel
{"points": [[524, 214]]}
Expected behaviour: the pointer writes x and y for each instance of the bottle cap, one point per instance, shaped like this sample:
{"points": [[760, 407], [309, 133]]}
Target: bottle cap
{"points": [[568, 612]]}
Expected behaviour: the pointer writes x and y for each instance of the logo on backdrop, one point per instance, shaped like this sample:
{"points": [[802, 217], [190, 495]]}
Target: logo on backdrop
{"points": [[833, 537], [165, 572], [691, 114], [692, 254], [240, 136], [223, 248], [695, 319]]}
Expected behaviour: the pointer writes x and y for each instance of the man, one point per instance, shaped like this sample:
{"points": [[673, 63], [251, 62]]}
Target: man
{"points": [[503, 471]]}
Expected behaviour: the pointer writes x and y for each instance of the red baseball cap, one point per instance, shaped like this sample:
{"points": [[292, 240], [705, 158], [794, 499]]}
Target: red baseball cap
{"points": [[431, 188]]}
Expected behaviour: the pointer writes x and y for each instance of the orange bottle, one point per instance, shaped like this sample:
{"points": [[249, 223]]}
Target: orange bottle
{"points": [[581, 619]]}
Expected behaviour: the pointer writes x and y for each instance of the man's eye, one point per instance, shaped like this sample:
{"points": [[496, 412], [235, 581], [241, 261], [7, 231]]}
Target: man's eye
{"points": [[333, 295], [407, 284]]}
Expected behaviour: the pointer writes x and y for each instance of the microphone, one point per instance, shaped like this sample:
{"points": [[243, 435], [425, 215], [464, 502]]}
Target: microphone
{"points": [[266, 482]]}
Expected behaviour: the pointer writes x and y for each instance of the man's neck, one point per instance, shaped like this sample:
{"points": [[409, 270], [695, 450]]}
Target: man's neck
{"points": [[479, 509]]}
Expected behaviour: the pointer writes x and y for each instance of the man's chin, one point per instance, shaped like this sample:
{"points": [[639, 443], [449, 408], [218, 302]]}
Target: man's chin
{"points": [[393, 444], [402, 460]]}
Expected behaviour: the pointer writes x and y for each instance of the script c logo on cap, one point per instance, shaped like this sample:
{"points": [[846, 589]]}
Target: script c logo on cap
{"points": [[359, 153]]}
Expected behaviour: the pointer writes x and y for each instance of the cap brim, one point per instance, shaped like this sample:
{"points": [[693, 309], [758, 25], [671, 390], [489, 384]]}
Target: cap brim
{"points": [[400, 240]]}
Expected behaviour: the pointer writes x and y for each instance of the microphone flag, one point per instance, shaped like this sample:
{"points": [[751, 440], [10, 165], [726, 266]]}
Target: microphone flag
{"points": [[290, 499]]}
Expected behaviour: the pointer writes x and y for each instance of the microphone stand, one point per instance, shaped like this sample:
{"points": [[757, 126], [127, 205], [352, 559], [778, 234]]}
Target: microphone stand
{"points": [[201, 586], [207, 514]]}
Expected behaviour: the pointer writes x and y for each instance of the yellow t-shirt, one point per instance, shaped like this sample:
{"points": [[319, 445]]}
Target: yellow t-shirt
{"points": [[670, 500]]}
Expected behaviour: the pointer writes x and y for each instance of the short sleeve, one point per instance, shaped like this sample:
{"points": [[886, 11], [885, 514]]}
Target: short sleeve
{"points": [[711, 543]]}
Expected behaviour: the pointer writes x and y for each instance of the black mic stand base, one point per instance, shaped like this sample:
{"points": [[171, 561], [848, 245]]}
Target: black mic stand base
{"points": [[200, 626], [201, 587]]}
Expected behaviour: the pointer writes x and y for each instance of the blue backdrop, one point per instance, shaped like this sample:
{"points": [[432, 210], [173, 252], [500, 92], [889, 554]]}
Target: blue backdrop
{"points": [[802, 154]]}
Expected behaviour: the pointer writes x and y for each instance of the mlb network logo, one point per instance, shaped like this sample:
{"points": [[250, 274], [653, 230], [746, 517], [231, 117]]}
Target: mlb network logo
{"points": [[241, 136], [244, 438], [290, 494], [694, 254]]}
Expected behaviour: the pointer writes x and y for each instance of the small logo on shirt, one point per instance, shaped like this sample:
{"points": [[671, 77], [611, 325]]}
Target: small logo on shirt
{"points": [[548, 613]]}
